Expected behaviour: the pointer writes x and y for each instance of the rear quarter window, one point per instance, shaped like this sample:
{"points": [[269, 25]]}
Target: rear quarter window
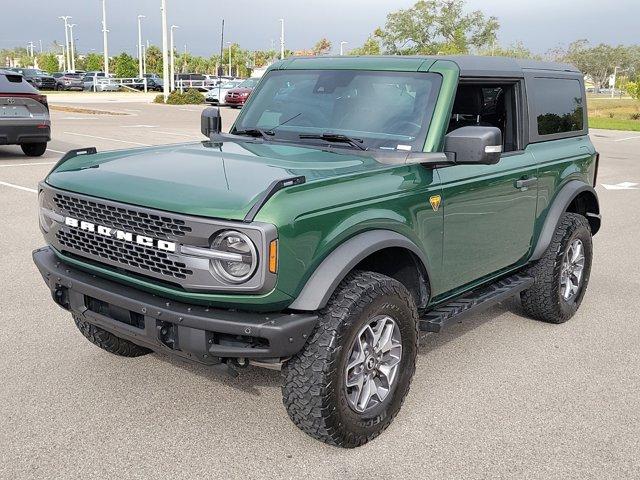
{"points": [[558, 106]]}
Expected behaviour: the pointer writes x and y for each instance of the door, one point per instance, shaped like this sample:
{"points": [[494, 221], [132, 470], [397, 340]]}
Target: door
{"points": [[489, 210]]}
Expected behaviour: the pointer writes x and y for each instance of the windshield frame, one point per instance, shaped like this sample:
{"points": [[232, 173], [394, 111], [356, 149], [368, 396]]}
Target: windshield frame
{"points": [[417, 142]]}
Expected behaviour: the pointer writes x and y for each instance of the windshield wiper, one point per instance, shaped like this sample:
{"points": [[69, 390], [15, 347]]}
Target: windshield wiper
{"points": [[254, 132], [335, 137]]}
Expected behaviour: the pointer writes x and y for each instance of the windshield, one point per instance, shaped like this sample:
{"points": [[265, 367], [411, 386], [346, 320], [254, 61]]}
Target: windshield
{"points": [[381, 110]]}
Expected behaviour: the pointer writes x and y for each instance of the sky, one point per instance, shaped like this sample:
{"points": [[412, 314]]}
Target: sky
{"points": [[541, 24]]}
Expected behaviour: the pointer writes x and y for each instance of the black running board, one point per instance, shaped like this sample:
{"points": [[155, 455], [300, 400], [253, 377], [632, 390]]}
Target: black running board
{"points": [[473, 302]]}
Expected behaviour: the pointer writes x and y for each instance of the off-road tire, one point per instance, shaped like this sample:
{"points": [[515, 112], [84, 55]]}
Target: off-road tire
{"points": [[34, 149], [313, 387], [108, 341], [544, 301]]}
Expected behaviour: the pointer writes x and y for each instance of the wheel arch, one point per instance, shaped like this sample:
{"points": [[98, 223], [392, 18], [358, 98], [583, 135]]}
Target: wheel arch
{"points": [[575, 197], [371, 250]]}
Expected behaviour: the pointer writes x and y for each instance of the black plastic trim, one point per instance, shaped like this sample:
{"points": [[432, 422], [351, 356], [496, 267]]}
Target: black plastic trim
{"points": [[343, 259], [273, 188], [560, 203], [74, 153], [280, 334]]}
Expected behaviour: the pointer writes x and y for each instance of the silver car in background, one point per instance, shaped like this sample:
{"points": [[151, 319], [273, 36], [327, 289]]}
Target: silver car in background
{"points": [[24, 115], [214, 95]]}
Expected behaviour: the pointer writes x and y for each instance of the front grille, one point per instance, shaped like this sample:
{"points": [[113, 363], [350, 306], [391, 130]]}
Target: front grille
{"points": [[124, 253], [121, 218]]}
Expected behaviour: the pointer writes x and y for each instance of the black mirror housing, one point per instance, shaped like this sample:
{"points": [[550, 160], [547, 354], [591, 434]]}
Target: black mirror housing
{"points": [[474, 145], [210, 121]]}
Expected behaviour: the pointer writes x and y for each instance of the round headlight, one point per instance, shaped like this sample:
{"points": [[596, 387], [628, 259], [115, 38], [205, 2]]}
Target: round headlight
{"points": [[45, 221], [238, 256]]}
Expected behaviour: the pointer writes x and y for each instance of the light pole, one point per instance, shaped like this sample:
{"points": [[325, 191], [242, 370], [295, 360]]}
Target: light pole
{"points": [[165, 56], [173, 60], [40, 45], [140, 68], [67, 62], [229, 43], [30, 49], [144, 60], [342, 44], [104, 38], [72, 56], [281, 38]]}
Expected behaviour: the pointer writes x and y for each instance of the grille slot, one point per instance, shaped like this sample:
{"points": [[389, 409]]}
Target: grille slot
{"points": [[160, 226], [123, 253]]}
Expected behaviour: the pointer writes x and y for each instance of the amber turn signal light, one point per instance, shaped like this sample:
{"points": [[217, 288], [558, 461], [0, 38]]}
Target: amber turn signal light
{"points": [[273, 256]]}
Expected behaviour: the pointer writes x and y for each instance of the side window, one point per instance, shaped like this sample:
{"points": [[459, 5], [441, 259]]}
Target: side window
{"points": [[489, 105], [558, 105]]}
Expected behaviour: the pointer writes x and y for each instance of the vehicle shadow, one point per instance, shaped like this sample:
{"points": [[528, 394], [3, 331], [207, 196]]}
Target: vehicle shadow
{"points": [[251, 379]]}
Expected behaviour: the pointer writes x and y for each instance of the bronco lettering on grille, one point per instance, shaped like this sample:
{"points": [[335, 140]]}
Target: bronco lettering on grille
{"points": [[120, 234]]}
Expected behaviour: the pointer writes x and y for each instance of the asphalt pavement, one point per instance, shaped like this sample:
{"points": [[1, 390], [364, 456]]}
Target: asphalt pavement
{"points": [[497, 396]]}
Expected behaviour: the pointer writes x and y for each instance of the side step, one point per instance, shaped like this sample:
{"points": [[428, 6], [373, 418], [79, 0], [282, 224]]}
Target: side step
{"points": [[474, 302]]}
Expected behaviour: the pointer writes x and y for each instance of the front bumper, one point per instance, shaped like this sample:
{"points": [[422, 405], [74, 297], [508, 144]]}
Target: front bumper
{"points": [[204, 334]]}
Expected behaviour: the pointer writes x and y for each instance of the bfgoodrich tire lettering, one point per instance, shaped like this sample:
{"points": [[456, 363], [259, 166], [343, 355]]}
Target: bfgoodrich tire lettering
{"points": [[314, 392], [108, 341], [544, 300]]}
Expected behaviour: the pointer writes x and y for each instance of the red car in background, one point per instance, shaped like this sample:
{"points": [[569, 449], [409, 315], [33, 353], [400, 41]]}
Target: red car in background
{"points": [[237, 96]]}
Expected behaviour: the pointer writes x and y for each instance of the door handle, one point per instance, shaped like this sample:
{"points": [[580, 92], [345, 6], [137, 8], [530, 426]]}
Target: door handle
{"points": [[525, 183]]}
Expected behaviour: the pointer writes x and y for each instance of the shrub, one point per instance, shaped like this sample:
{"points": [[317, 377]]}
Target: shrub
{"points": [[633, 89], [190, 97], [635, 116]]}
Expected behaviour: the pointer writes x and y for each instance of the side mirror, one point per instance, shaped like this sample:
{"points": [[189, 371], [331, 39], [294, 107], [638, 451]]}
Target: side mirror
{"points": [[474, 145], [210, 122]]}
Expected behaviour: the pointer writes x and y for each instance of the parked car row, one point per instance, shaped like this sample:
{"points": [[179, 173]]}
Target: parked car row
{"points": [[36, 77], [233, 93]]}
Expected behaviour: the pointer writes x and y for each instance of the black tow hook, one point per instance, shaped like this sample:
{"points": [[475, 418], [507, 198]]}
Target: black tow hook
{"points": [[61, 296]]}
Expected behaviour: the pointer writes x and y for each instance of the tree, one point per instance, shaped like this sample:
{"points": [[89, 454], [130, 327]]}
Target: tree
{"points": [[48, 62], [154, 60], [370, 47], [597, 62], [125, 66], [91, 63], [322, 47], [436, 26], [515, 50]]}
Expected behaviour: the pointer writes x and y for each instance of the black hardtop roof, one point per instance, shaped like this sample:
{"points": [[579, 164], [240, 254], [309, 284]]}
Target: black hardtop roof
{"points": [[469, 65]]}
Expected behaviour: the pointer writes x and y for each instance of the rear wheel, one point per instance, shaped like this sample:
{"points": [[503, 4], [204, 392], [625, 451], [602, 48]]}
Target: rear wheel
{"points": [[562, 274], [348, 383], [34, 149], [108, 341]]}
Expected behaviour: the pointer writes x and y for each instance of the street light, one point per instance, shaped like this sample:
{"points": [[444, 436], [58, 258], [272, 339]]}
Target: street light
{"points": [[281, 38], [67, 63], [173, 60], [140, 69], [104, 38], [342, 44], [30, 49], [165, 56], [229, 43], [72, 56]]}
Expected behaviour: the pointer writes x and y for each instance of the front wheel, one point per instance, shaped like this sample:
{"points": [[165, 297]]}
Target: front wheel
{"points": [[562, 274], [348, 383], [34, 149]]}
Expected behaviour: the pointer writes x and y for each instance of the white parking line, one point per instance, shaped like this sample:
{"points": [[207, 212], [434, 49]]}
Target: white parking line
{"points": [[26, 164], [626, 138], [32, 190], [55, 151], [109, 139], [176, 134]]}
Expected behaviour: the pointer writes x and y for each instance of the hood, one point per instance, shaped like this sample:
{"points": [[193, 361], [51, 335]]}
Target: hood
{"points": [[240, 90], [218, 180]]}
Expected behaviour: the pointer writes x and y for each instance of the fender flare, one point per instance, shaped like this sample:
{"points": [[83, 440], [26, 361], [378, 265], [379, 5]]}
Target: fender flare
{"points": [[332, 270], [560, 204]]}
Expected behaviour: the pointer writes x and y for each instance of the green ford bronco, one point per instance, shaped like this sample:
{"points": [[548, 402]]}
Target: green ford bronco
{"points": [[355, 202]]}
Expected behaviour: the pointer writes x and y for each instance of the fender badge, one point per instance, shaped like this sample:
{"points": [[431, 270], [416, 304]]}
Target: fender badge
{"points": [[435, 201]]}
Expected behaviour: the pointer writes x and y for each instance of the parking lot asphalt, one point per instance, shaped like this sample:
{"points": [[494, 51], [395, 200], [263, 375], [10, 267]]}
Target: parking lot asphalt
{"points": [[498, 396]]}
